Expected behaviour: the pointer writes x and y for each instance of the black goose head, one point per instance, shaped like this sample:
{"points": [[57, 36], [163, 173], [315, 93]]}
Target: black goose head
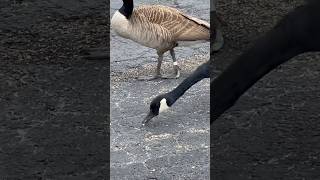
{"points": [[158, 105], [126, 8]]}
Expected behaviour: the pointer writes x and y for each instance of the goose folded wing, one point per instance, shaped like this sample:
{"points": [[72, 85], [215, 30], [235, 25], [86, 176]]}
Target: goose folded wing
{"points": [[181, 26]]}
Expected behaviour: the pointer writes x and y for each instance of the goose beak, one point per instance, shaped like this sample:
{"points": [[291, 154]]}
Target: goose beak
{"points": [[148, 118]]}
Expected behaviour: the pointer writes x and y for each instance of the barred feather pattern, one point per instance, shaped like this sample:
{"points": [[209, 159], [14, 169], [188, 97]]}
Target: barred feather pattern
{"points": [[161, 27]]}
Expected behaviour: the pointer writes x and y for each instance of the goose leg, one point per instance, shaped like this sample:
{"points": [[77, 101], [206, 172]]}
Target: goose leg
{"points": [[176, 68], [158, 70]]}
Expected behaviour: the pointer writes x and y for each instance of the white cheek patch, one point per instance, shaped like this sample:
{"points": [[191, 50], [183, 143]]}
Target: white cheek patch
{"points": [[163, 105]]}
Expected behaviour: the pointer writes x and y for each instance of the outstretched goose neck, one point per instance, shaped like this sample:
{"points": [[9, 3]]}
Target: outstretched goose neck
{"points": [[275, 48], [126, 8], [297, 33], [200, 73]]}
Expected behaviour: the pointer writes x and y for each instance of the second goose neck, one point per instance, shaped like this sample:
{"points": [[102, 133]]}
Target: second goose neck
{"points": [[127, 8]]}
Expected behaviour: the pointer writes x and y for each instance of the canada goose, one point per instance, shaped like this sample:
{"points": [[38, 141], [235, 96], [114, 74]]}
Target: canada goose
{"points": [[164, 101], [160, 27], [296, 33]]}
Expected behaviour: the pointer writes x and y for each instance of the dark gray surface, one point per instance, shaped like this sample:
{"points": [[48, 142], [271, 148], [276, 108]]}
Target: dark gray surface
{"points": [[272, 132], [53, 105], [53, 125], [59, 132], [181, 134], [176, 143]]}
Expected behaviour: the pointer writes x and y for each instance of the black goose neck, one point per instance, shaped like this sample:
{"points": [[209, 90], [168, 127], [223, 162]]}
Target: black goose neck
{"points": [[127, 8], [203, 71], [170, 98]]}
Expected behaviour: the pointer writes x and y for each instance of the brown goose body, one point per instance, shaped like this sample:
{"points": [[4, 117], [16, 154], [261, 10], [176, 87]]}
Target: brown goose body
{"points": [[162, 28]]}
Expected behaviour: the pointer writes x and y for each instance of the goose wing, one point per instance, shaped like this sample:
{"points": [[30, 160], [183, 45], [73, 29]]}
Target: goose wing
{"points": [[181, 26]]}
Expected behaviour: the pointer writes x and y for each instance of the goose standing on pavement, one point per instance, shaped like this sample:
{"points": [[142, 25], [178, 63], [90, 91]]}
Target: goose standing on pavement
{"points": [[160, 27]]}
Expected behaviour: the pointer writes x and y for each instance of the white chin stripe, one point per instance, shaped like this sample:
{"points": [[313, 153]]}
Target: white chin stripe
{"points": [[175, 63], [163, 105]]}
